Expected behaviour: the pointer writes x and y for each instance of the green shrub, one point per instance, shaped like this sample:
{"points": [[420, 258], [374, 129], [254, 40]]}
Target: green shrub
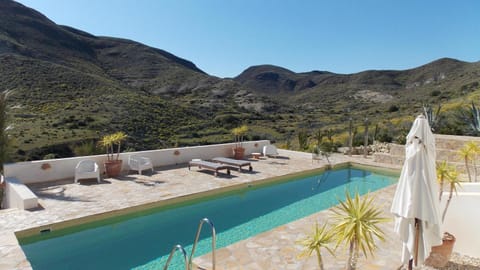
{"points": [[393, 108], [85, 149], [50, 156]]}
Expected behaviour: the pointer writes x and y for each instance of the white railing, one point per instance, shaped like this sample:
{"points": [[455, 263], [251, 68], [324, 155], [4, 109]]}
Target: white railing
{"points": [[56, 169]]}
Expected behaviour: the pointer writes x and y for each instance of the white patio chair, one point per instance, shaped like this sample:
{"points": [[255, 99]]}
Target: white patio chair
{"points": [[270, 151], [87, 169], [139, 164]]}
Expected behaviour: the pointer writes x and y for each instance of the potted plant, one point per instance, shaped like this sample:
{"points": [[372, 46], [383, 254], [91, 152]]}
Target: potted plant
{"points": [[239, 134], [357, 224], [113, 165], [440, 255]]}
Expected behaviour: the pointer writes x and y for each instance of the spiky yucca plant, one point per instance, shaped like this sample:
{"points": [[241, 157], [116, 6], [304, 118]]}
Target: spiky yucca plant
{"points": [[453, 182], [321, 237], [442, 172], [474, 150], [468, 153], [109, 141], [357, 221]]}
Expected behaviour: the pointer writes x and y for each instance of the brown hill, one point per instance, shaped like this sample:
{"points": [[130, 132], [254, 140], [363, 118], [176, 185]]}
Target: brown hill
{"points": [[70, 87]]}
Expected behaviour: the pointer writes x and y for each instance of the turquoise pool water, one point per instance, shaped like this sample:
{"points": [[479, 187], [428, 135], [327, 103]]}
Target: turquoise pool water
{"points": [[144, 242]]}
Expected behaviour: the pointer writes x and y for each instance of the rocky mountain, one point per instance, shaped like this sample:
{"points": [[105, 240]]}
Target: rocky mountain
{"points": [[71, 87]]}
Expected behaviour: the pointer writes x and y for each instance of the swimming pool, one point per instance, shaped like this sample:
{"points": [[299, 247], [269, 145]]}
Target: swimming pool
{"points": [[144, 242]]}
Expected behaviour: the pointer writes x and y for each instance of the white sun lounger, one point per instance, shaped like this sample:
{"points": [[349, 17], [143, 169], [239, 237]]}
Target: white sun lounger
{"points": [[234, 162], [202, 164]]}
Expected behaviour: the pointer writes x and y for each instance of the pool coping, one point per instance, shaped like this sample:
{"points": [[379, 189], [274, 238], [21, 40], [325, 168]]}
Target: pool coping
{"points": [[125, 213], [170, 202]]}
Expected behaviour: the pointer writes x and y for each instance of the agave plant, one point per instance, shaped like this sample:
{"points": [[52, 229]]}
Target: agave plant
{"points": [[319, 238], [453, 183], [357, 223], [433, 117], [472, 118]]}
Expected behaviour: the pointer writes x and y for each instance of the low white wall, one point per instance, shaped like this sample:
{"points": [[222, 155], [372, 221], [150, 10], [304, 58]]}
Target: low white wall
{"points": [[463, 219], [17, 195], [469, 187], [56, 169]]}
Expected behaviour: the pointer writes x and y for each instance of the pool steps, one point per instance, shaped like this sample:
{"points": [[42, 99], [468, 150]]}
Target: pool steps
{"points": [[189, 264]]}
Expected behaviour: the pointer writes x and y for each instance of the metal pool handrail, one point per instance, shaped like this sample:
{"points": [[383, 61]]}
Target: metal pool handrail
{"points": [[184, 253], [214, 236]]}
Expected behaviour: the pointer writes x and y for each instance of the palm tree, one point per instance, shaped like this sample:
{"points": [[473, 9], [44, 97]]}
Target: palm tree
{"points": [[453, 183], [442, 173], [465, 154], [320, 238], [357, 225]]}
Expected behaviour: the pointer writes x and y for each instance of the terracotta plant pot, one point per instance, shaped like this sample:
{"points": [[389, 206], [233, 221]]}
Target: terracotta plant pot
{"points": [[238, 152], [440, 255], [113, 167]]}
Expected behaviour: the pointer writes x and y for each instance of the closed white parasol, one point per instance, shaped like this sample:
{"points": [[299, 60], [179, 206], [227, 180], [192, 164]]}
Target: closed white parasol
{"points": [[415, 204]]}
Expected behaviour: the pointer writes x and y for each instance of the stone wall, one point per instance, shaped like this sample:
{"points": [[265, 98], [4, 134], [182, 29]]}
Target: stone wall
{"points": [[447, 149]]}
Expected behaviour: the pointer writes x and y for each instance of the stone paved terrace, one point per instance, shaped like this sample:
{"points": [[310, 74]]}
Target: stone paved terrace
{"points": [[64, 203]]}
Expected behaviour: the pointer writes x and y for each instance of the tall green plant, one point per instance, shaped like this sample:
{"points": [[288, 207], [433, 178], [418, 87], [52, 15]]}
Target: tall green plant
{"points": [[110, 141], [475, 150], [318, 136], [453, 184], [321, 237], [468, 153], [3, 139], [442, 173], [365, 137], [3, 128], [239, 133], [303, 139], [357, 223]]}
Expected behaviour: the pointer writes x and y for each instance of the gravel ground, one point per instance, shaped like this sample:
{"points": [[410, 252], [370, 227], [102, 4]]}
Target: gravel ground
{"points": [[459, 262]]}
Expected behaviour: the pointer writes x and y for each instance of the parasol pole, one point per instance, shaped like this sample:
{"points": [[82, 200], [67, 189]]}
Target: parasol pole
{"points": [[415, 247], [417, 238]]}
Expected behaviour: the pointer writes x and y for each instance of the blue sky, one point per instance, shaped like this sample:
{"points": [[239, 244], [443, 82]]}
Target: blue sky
{"points": [[224, 37]]}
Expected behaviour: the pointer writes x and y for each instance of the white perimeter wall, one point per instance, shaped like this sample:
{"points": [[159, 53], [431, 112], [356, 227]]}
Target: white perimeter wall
{"points": [[56, 169], [463, 219]]}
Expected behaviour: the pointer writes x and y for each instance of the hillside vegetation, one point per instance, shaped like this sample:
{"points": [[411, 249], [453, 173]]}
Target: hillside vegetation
{"points": [[71, 87]]}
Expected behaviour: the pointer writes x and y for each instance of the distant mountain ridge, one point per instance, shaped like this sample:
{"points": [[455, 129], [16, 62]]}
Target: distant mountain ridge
{"points": [[70, 87]]}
